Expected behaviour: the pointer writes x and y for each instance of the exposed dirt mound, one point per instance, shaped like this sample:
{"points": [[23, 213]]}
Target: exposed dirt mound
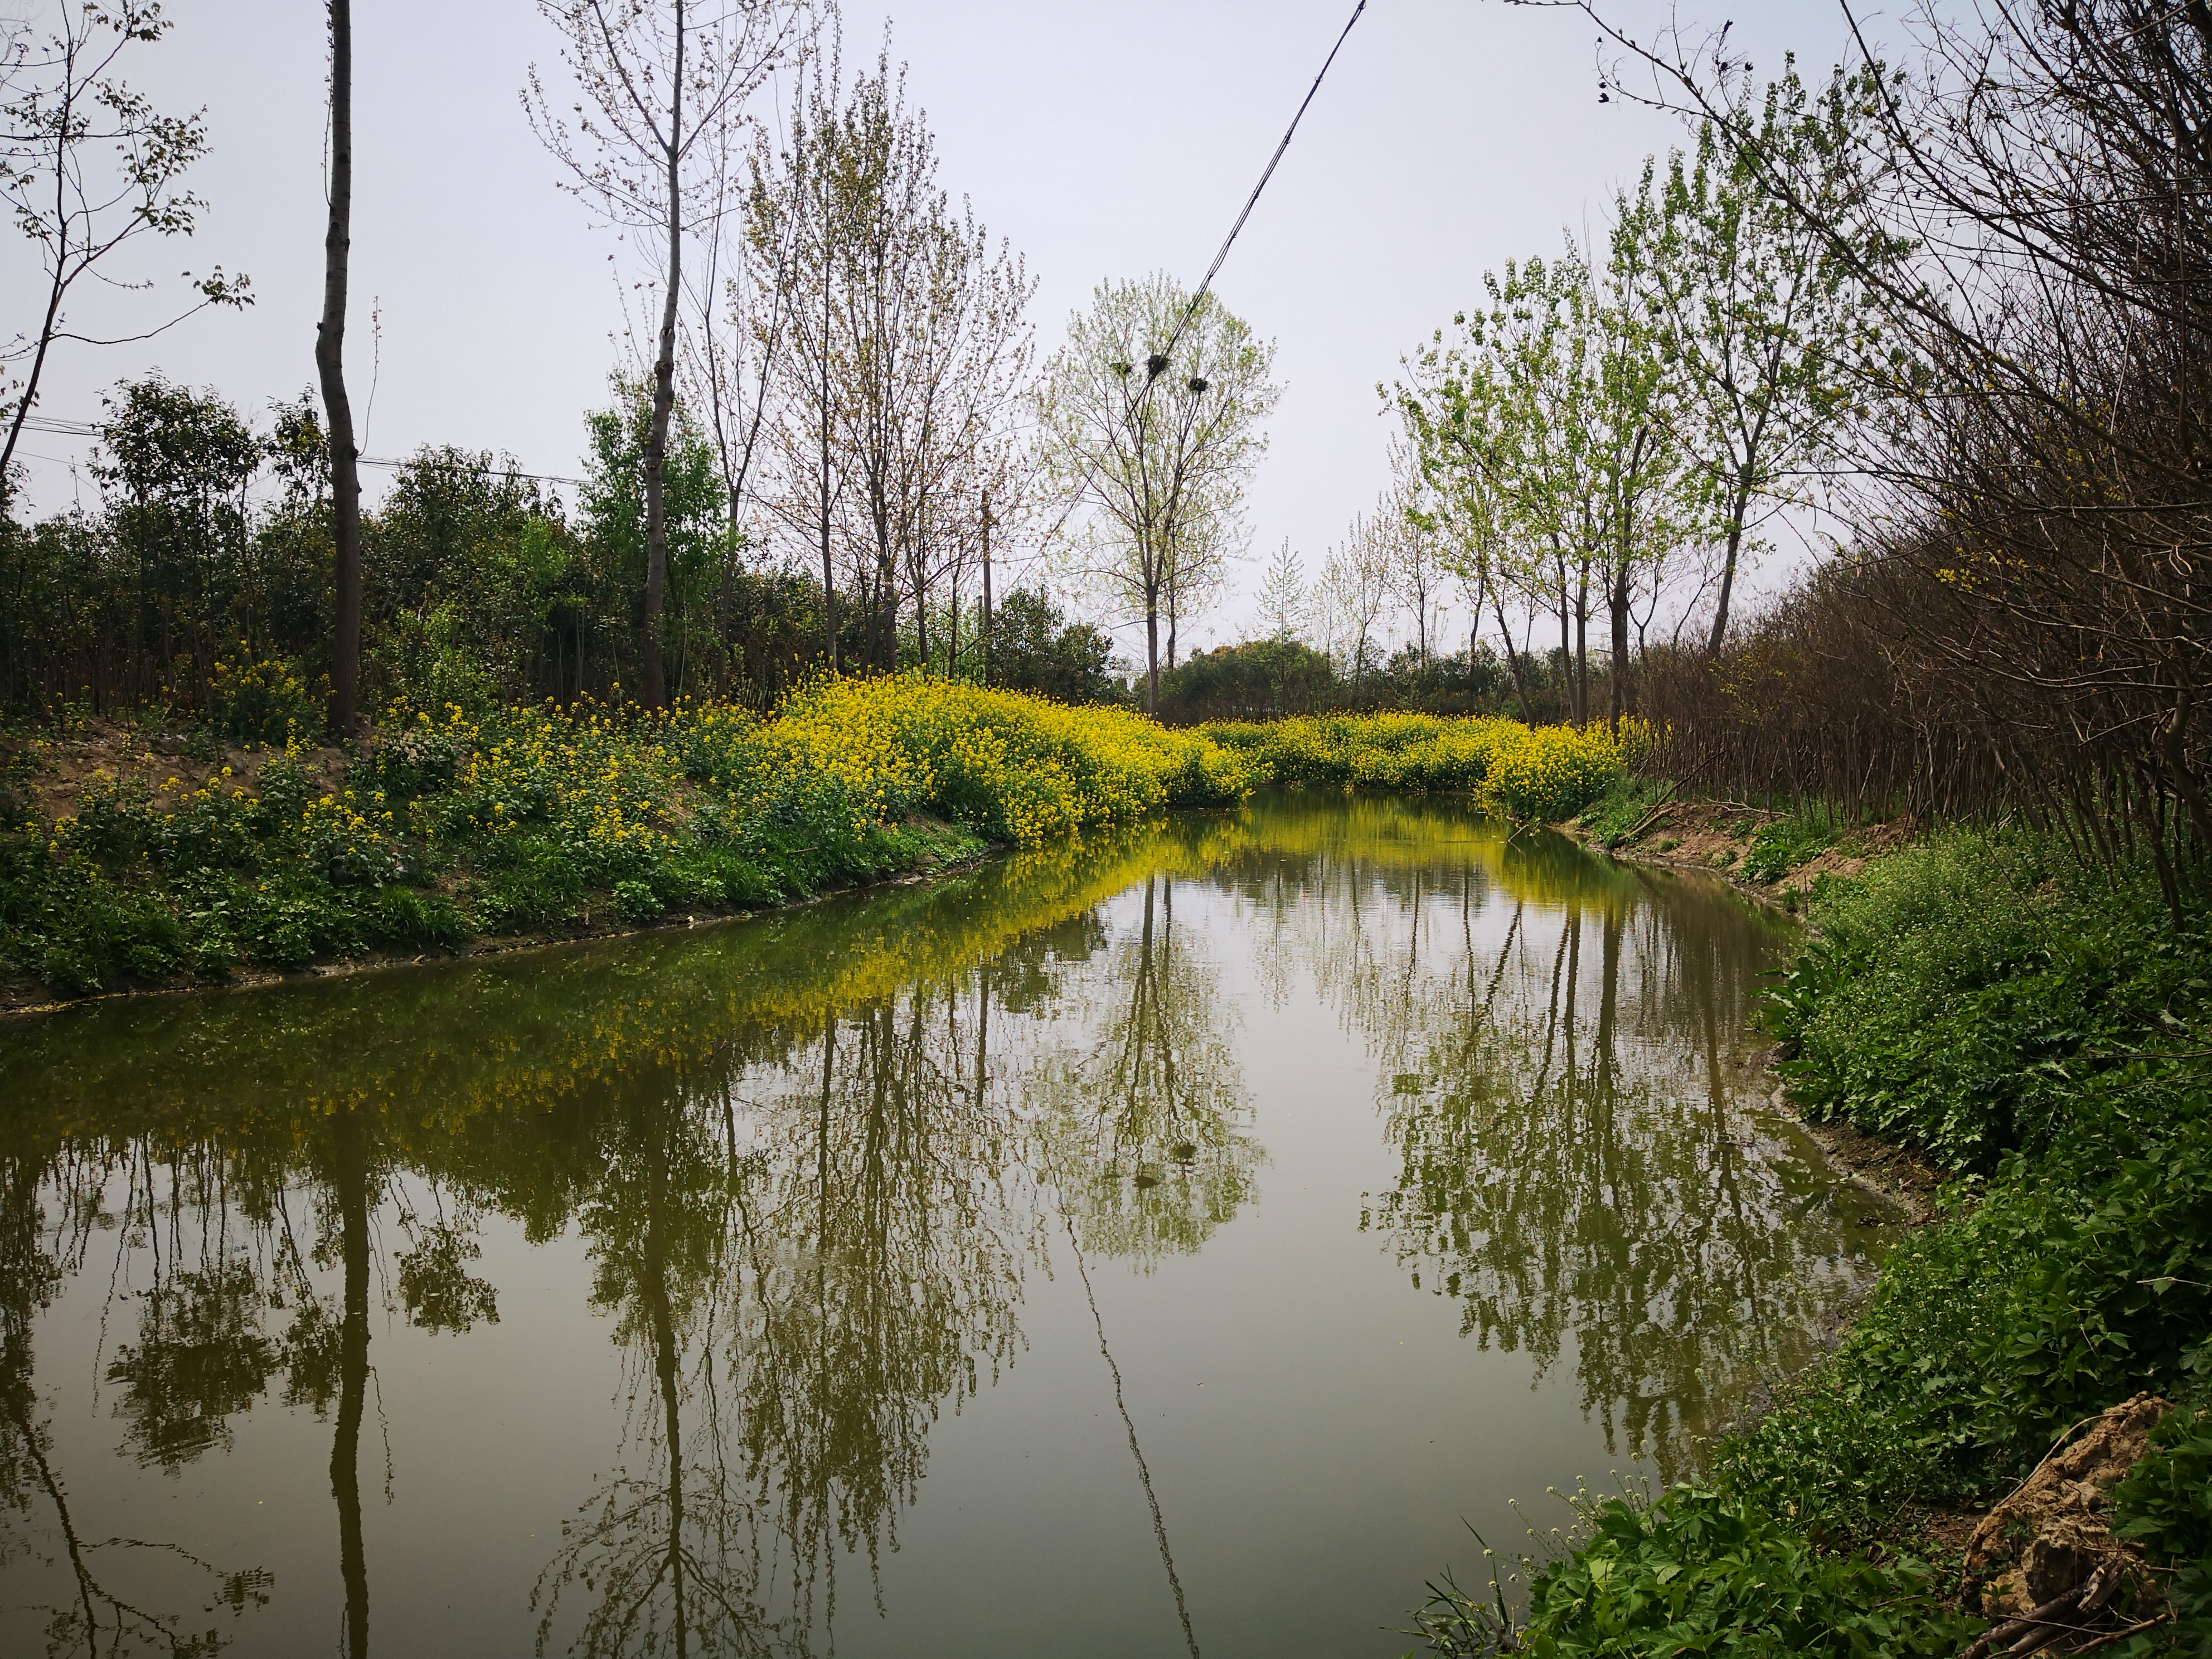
{"points": [[2045, 1561]]}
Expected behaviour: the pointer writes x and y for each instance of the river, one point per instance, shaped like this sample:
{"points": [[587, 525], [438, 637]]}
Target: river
{"points": [[1173, 1243]]}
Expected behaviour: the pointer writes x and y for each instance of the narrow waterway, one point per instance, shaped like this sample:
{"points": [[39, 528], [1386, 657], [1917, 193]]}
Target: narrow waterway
{"points": [[1171, 1244]]}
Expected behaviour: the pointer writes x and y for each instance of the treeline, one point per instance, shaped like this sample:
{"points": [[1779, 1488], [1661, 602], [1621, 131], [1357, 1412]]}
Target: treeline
{"points": [[1965, 310], [1272, 679], [210, 545], [2022, 619], [820, 448]]}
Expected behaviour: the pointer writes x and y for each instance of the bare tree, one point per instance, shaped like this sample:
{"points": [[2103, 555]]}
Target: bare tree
{"points": [[792, 218], [909, 351], [1415, 560], [87, 166], [733, 327], [1352, 594], [1157, 450], [658, 82], [1286, 604]]}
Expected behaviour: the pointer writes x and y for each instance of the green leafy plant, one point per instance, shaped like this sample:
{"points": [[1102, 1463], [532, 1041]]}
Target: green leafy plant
{"points": [[1702, 1571]]}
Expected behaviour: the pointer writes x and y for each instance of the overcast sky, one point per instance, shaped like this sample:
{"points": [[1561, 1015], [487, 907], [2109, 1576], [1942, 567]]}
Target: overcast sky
{"points": [[1103, 141]]}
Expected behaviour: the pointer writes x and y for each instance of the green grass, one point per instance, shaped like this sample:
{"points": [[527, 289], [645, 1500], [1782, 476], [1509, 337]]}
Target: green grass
{"points": [[1618, 813], [1780, 845]]}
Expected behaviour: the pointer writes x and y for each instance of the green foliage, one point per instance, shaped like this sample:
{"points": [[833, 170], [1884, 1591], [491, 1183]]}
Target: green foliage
{"points": [[2166, 1505], [1613, 815], [1782, 844], [480, 588], [1980, 994], [1260, 679], [1034, 647], [1704, 1571], [635, 902], [1981, 997]]}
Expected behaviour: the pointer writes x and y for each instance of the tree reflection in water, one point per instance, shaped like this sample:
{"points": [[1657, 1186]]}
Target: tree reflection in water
{"points": [[813, 1160], [1557, 1047], [1146, 1125]]}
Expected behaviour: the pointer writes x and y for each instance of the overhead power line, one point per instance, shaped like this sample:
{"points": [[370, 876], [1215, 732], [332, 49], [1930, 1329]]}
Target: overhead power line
{"points": [[86, 429], [1157, 366], [1253, 200]]}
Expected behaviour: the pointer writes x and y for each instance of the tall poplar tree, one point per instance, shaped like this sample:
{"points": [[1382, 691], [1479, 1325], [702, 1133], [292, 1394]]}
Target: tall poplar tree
{"points": [[330, 366], [661, 81]]}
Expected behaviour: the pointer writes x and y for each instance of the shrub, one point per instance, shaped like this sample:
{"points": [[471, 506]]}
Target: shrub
{"points": [[2165, 1505], [409, 919], [636, 902], [1782, 844]]}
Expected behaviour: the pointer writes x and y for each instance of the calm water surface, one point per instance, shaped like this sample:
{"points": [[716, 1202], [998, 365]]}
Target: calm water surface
{"points": [[1157, 1246]]}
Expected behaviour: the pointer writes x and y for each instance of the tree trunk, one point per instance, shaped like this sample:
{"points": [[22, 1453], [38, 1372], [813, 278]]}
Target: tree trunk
{"points": [[1727, 569], [330, 364], [1581, 646], [1567, 645], [1512, 656], [664, 392], [921, 627], [829, 575], [1618, 600], [350, 1176], [886, 610], [1152, 659], [986, 588], [1171, 624]]}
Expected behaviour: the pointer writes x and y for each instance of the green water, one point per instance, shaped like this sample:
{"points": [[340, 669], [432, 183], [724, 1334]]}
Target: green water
{"points": [[1168, 1245]]}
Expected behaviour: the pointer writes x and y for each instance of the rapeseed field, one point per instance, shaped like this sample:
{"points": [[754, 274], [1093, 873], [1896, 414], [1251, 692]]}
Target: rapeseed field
{"points": [[551, 820], [1549, 772]]}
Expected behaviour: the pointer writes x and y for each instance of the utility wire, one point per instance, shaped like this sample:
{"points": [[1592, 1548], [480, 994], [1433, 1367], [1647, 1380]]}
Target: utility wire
{"points": [[85, 429], [1220, 257], [1253, 200]]}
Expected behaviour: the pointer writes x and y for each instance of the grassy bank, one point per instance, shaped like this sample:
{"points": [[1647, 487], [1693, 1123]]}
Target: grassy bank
{"points": [[151, 853], [2041, 1031], [144, 855]]}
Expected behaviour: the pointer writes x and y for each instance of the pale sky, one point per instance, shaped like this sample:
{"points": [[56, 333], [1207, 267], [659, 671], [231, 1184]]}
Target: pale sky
{"points": [[1103, 141]]}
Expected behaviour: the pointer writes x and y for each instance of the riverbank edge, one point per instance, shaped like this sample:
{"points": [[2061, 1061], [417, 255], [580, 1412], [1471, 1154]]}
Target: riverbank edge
{"points": [[1945, 1537], [947, 850], [1901, 1176]]}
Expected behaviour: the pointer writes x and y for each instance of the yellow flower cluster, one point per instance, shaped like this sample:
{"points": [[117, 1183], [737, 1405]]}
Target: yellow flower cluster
{"points": [[265, 700], [1545, 772], [1011, 766], [586, 774]]}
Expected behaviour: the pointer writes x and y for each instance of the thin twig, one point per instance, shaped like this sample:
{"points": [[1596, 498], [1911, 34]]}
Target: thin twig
{"points": [[2121, 1635]]}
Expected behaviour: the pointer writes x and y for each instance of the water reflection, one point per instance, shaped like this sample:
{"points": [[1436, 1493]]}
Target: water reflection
{"points": [[813, 1163]]}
